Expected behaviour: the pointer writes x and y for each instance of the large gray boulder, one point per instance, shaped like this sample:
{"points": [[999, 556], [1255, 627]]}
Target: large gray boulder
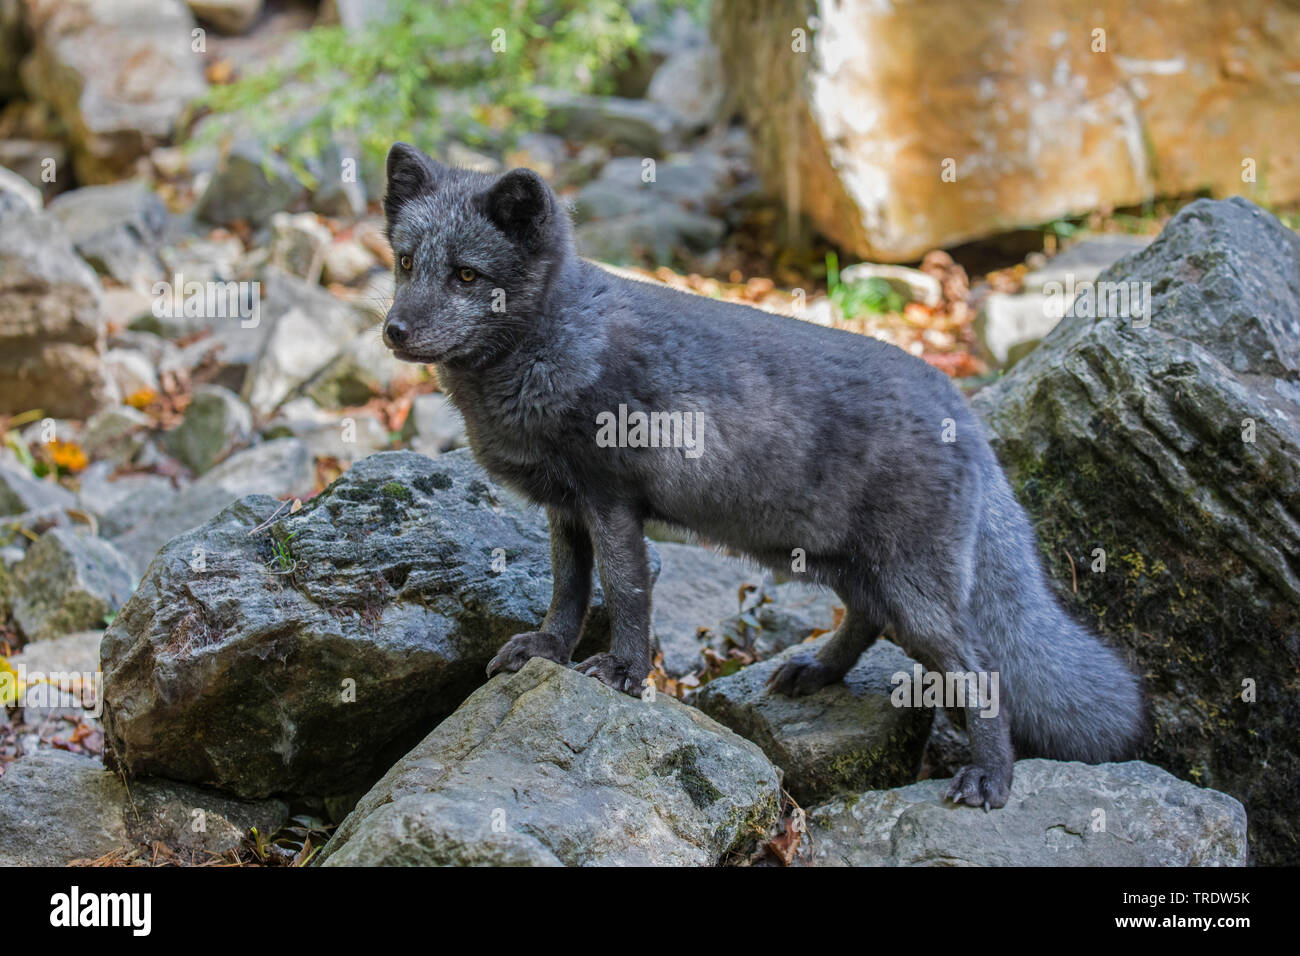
{"points": [[1169, 445], [1059, 814], [547, 767], [56, 807], [844, 738], [305, 657]]}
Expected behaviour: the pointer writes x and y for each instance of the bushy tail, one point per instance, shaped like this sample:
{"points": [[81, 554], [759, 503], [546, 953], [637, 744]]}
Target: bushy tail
{"points": [[1071, 697]]}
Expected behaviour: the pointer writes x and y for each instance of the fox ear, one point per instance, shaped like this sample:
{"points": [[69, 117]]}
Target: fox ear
{"points": [[410, 173], [520, 205]]}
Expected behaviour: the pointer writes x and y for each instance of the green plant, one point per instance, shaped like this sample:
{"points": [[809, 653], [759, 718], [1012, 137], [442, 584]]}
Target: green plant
{"points": [[392, 80], [282, 554], [873, 296]]}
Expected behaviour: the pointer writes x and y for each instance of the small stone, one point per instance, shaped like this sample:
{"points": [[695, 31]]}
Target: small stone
{"points": [[346, 261], [844, 738], [115, 434], [216, 423], [68, 582], [298, 244]]}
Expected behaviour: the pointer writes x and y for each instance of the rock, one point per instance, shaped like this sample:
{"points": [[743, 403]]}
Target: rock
{"points": [[68, 582], [1170, 440], [844, 738], [690, 81], [115, 229], [298, 244], [1059, 814], [157, 350], [544, 153], [1006, 323], [250, 183], [12, 183], [100, 493], [438, 425], [912, 284], [280, 468], [547, 767], [125, 307], [51, 329], [38, 161], [98, 66], [56, 807], [305, 328], [115, 434], [148, 518], [639, 127], [346, 261], [1001, 121], [380, 613], [131, 371], [201, 259], [75, 653], [783, 615], [362, 370], [697, 588], [458, 154], [346, 438], [215, 424], [657, 236], [20, 491], [1085, 260], [339, 197], [228, 16]]}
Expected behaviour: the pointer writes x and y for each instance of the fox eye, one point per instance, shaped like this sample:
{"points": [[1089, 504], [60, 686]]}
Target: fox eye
{"points": [[405, 263], [466, 274]]}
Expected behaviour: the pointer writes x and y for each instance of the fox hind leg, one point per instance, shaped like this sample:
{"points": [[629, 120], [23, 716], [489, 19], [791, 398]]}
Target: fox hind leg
{"points": [[806, 672]]}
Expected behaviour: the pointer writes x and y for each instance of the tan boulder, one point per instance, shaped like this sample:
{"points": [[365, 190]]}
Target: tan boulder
{"points": [[1033, 112]]}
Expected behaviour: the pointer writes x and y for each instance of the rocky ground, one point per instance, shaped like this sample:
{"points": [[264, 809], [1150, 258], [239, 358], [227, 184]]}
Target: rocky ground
{"points": [[245, 560]]}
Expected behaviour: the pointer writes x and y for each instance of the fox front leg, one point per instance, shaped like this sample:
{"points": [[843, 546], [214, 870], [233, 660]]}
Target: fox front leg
{"points": [[617, 534], [571, 560]]}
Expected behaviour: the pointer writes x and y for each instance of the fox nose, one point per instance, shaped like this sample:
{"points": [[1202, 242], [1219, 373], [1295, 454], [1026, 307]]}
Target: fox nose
{"points": [[395, 333]]}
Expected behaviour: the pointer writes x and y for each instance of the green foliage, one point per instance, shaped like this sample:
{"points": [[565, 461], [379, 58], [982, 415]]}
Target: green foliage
{"points": [[872, 296], [433, 71]]}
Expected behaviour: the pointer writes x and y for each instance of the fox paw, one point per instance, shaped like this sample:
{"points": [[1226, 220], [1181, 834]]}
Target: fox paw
{"points": [[615, 672], [802, 674], [978, 787], [521, 648]]}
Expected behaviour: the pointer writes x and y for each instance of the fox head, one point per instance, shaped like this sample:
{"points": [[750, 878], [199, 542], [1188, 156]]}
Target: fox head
{"points": [[474, 253]]}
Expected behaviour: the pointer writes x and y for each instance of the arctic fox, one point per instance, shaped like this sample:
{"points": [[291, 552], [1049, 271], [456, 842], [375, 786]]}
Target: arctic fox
{"points": [[793, 438]]}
